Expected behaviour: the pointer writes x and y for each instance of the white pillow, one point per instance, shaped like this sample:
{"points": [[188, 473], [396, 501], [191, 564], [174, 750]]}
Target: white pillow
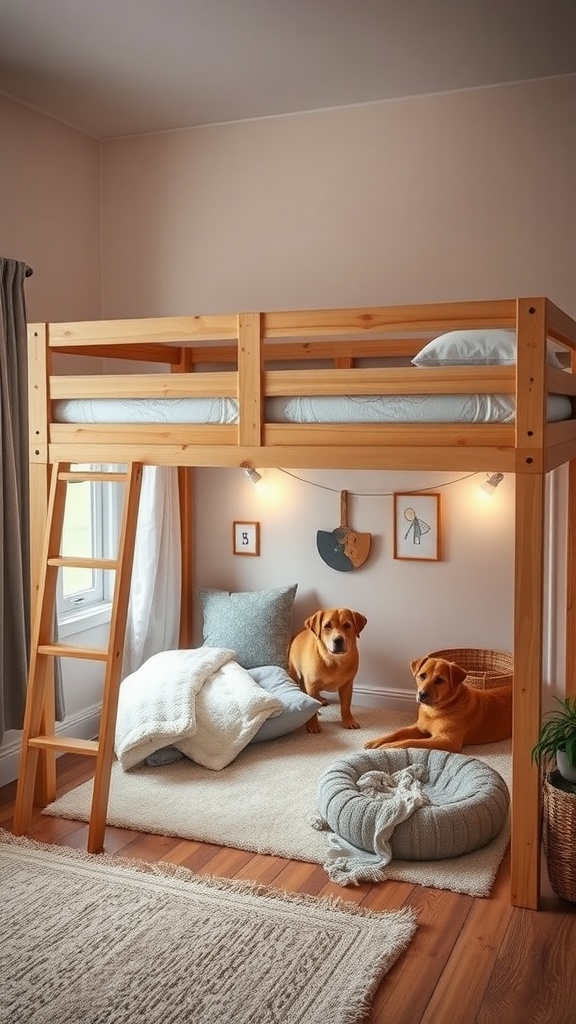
{"points": [[475, 348]]}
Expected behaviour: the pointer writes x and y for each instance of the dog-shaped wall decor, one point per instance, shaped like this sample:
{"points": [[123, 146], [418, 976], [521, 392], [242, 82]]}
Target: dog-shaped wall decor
{"points": [[324, 656], [451, 715]]}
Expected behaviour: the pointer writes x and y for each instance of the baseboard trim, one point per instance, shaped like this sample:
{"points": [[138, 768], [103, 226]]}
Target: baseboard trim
{"points": [[84, 725], [393, 700]]}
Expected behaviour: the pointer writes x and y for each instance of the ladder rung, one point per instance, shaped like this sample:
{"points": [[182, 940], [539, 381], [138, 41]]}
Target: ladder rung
{"points": [[69, 562], [67, 744], [64, 651]]}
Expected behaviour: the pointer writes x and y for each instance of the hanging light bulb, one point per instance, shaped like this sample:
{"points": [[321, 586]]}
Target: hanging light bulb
{"points": [[491, 483]]}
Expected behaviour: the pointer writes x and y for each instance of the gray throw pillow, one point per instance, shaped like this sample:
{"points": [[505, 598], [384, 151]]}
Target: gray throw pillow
{"points": [[298, 705], [256, 624]]}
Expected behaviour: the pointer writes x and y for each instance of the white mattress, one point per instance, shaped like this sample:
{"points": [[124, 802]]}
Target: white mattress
{"points": [[312, 409]]}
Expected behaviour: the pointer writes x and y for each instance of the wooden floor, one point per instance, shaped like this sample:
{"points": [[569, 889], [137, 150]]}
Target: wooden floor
{"points": [[472, 961]]}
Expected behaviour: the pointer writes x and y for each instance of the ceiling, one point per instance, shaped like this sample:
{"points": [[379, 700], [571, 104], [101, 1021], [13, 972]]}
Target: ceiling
{"points": [[124, 67]]}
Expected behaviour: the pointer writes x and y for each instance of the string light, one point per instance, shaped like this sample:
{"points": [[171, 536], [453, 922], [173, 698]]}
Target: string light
{"points": [[488, 487], [374, 494]]}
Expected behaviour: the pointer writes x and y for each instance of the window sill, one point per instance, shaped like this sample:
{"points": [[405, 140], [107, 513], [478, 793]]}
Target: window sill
{"points": [[88, 618]]}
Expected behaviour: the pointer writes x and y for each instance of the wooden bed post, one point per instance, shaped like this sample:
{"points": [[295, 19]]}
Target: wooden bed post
{"points": [[39, 485], [531, 370], [186, 503], [528, 649], [186, 499]]}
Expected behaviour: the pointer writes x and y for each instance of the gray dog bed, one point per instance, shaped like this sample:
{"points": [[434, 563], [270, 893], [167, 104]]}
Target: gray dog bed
{"points": [[450, 805]]}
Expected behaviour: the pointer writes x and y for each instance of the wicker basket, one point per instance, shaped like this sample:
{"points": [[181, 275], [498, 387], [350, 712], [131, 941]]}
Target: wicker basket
{"points": [[559, 834], [485, 669]]}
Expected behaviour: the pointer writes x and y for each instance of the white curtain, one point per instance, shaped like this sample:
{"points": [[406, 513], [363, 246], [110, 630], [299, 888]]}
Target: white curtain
{"points": [[154, 609]]}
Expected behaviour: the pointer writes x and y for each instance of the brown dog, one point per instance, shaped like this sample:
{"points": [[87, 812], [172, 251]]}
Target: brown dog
{"points": [[324, 656], [451, 715]]}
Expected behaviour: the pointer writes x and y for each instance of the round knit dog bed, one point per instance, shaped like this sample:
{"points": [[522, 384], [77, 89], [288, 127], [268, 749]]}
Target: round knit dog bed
{"points": [[467, 802]]}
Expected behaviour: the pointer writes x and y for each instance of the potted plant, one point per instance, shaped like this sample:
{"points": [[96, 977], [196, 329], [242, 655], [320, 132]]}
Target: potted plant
{"points": [[557, 740]]}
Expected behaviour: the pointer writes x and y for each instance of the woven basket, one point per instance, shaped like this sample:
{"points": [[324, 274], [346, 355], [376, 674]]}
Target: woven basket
{"points": [[558, 834], [485, 669]]}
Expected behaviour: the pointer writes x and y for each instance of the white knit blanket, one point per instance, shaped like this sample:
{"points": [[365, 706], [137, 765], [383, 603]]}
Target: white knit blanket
{"points": [[400, 794], [200, 701]]}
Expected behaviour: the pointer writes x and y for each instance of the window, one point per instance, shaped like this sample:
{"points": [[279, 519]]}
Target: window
{"points": [[91, 518]]}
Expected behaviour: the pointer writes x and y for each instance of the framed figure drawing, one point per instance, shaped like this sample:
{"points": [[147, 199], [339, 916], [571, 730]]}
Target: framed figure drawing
{"points": [[417, 526], [246, 538]]}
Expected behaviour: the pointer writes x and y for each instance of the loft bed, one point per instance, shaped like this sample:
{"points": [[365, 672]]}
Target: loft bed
{"points": [[255, 373]]}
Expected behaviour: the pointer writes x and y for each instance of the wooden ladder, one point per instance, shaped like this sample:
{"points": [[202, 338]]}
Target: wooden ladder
{"points": [[43, 648]]}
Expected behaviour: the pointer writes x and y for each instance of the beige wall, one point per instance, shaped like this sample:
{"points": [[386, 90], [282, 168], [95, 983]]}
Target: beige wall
{"points": [[412, 607], [50, 219], [458, 196], [50, 212]]}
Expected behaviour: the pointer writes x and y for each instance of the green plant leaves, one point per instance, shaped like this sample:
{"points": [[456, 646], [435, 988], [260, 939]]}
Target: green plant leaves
{"points": [[557, 732]]}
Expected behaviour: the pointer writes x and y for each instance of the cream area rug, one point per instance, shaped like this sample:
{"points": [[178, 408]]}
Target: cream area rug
{"points": [[266, 801], [90, 939]]}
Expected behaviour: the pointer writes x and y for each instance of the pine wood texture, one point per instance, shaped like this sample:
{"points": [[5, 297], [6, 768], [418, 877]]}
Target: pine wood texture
{"points": [[113, 673], [248, 345], [472, 961], [255, 341], [39, 731]]}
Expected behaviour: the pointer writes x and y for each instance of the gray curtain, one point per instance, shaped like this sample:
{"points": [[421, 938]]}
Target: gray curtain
{"points": [[14, 545], [14, 503]]}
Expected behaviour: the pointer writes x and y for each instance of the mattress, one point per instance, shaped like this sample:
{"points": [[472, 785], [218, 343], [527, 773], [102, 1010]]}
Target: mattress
{"points": [[311, 409]]}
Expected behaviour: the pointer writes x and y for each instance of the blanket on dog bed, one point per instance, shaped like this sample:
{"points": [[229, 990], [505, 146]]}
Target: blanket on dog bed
{"points": [[410, 804], [199, 701]]}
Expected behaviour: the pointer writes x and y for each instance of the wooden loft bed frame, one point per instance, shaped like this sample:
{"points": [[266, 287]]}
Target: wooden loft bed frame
{"points": [[235, 356]]}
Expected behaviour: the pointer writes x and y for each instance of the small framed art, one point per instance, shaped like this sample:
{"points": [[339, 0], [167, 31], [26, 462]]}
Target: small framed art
{"points": [[246, 538], [417, 526]]}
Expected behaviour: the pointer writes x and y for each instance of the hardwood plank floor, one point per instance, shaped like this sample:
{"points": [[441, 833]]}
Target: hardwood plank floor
{"points": [[472, 961]]}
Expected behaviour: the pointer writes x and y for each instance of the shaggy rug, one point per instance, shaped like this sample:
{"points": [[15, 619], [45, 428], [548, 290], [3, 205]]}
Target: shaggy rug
{"points": [[266, 801], [101, 940]]}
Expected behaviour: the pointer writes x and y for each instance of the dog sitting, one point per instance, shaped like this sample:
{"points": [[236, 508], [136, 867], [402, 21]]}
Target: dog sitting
{"points": [[451, 715], [324, 656]]}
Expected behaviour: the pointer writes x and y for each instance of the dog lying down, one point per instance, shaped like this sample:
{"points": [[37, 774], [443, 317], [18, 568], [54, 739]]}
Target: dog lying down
{"points": [[324, 656], [451, 715]]}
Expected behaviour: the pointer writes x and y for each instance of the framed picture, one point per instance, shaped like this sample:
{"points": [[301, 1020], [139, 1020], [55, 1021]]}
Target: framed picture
{"points": [[246, 538], [417, 526]]}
